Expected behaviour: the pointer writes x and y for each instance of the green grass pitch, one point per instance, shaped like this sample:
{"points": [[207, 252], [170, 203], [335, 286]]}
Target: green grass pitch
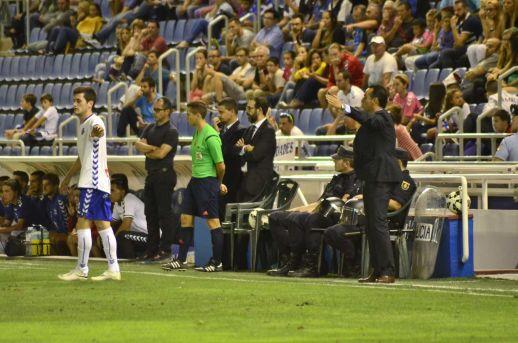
{"points": [[150, 305]]}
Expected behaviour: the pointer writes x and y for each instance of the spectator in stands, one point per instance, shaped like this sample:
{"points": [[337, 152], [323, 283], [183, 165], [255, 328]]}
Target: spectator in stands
{"points": [[510, 14], [129, 220], [23, 179], [492, 27], [387, 19], [473, 85], [270, 35], [443, 40], [507, 57], [290, 9], [466, 29], [310, 80], [401, 32], [131, 11], [358, 44], [403, 138], [151, 40], [407, 100], [429, 38], [346, 92], [296, 32], [200, 77], [422, 123], [288, 58], [150, 70], [508, 97], [421, 43], [272, 84], [57, 214], [372, 19], [341, 125], [451, 125], [43, 127], [501, 120], [508, 149], [221, 7], [137, 111], [29, 109], [52, 18], [134, 45], [123, 34], [260, 57], [214, 59], [237, 36], [243, 75], [16, 212], [59, 37], [328, 32], [3, 204], [187, 6], [16, 29], [381, 66]]}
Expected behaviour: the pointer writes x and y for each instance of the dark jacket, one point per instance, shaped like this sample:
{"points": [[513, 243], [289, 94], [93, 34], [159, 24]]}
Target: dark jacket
{"points": [[341, 184], [375, 147], [259, 161], [233, 174]]}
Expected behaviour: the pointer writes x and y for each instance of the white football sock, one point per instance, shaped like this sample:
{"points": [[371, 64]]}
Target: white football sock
{"points": [[110, 249], [84, 244]]}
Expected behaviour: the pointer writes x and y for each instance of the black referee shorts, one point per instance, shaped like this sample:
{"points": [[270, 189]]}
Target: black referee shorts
{"points": [[201, 198]]}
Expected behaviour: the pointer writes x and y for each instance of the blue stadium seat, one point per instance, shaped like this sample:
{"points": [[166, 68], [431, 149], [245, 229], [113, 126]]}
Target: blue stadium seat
{"points": [[3, 93], [2, 59], [13, 70], [38, 90], [18, 120], [186, 150], [42, 35], [431, 77], [410, 75], [243, 118], [65, 150], [35, 151], [39, 68], [2, 122], [75, 67], [178, 31], [31, 68], [10, 99], [480, 108], [35, 34], [84, 65], [48, 68], [315, 120], [94, 60], [45, 151], [65, 99], [22, 69], [189, 24], [1, 150], [419, 88], [426, 147], [444, 72], [72, 151], [30, 88], [105, 8], [122, 150], [58, 66], [102, 94], [66, 67], [461, 72], [6, 66], [8, 123], [111, 149], [104, 57], [327, 118], [20, 92], [303, 120], [183, 126], [56, 92], [450, 149], [7, 151]]}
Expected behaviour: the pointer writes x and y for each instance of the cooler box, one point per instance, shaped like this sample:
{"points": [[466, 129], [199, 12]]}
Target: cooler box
{"points": [[449, 258]]}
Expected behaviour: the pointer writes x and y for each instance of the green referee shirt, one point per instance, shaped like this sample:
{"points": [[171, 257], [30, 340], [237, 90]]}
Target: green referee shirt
{"points": [[205, 152]]}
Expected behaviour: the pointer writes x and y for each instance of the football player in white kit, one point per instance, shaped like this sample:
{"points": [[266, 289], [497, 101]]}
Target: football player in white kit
{"points": [[94, 185]]}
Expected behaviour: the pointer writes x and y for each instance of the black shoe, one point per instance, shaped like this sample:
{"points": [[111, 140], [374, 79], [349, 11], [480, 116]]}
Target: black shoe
{"points": [[293, 263], [211, 266], [162, 256], [309, 267]]}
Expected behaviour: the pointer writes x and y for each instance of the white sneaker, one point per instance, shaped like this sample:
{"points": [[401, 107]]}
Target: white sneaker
{"points": [[108, 275], [74, 275]]}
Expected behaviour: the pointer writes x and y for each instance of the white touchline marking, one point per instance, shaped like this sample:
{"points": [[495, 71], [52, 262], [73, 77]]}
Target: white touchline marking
{"points": [[335, 284]]}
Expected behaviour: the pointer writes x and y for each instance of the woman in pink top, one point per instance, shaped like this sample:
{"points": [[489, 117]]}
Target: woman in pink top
{"points": [[404, 140], [409, 103]]}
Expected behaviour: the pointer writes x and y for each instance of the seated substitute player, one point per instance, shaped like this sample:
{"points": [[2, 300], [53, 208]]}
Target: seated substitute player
{"points": [[400, 195], [16, 213], [56, 209], [288, 227], [94, 185], [129, 220], [202, 194]]}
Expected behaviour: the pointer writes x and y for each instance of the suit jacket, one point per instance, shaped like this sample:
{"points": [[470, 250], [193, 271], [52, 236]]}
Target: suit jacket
{"points": [[259, 161], [375, 147], [233, 174]]}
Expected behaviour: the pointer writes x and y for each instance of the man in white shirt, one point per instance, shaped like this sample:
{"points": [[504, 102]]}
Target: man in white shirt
{"points": [[43, 127], [381, 66], [128, 220], [94, 185], [347, 93], [508, 149], [287, 149]]}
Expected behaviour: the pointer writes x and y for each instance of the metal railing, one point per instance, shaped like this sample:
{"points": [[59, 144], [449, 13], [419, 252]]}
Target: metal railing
{"points": [[109, 104], [462, 136], [176, 74], [247, 16], [211, 26], [500, 80], [15, 142], [479, 129], [445, 116], [59, 139], [188, 70]]}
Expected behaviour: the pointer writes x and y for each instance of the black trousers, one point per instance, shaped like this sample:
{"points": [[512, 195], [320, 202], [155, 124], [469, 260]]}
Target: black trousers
{"points": [[128, 117], [376, 196], [131, 244], [335, 237], [159, 215]]}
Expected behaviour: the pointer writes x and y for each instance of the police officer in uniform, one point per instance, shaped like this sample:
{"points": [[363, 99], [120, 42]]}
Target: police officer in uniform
{"points": [[335, 235], [288, 227], [377, 167]]}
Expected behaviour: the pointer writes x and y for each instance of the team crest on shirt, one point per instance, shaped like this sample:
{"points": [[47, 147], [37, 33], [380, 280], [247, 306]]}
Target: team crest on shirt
{"points": [[405, 185]]}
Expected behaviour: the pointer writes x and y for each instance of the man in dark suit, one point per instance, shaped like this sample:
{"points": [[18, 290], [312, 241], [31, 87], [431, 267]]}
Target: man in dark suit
{"points": [[230, 131], [377, 166], [256, 148]]}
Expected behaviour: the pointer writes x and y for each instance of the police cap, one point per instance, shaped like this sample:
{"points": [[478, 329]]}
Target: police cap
{"points": [[343, 153]]}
